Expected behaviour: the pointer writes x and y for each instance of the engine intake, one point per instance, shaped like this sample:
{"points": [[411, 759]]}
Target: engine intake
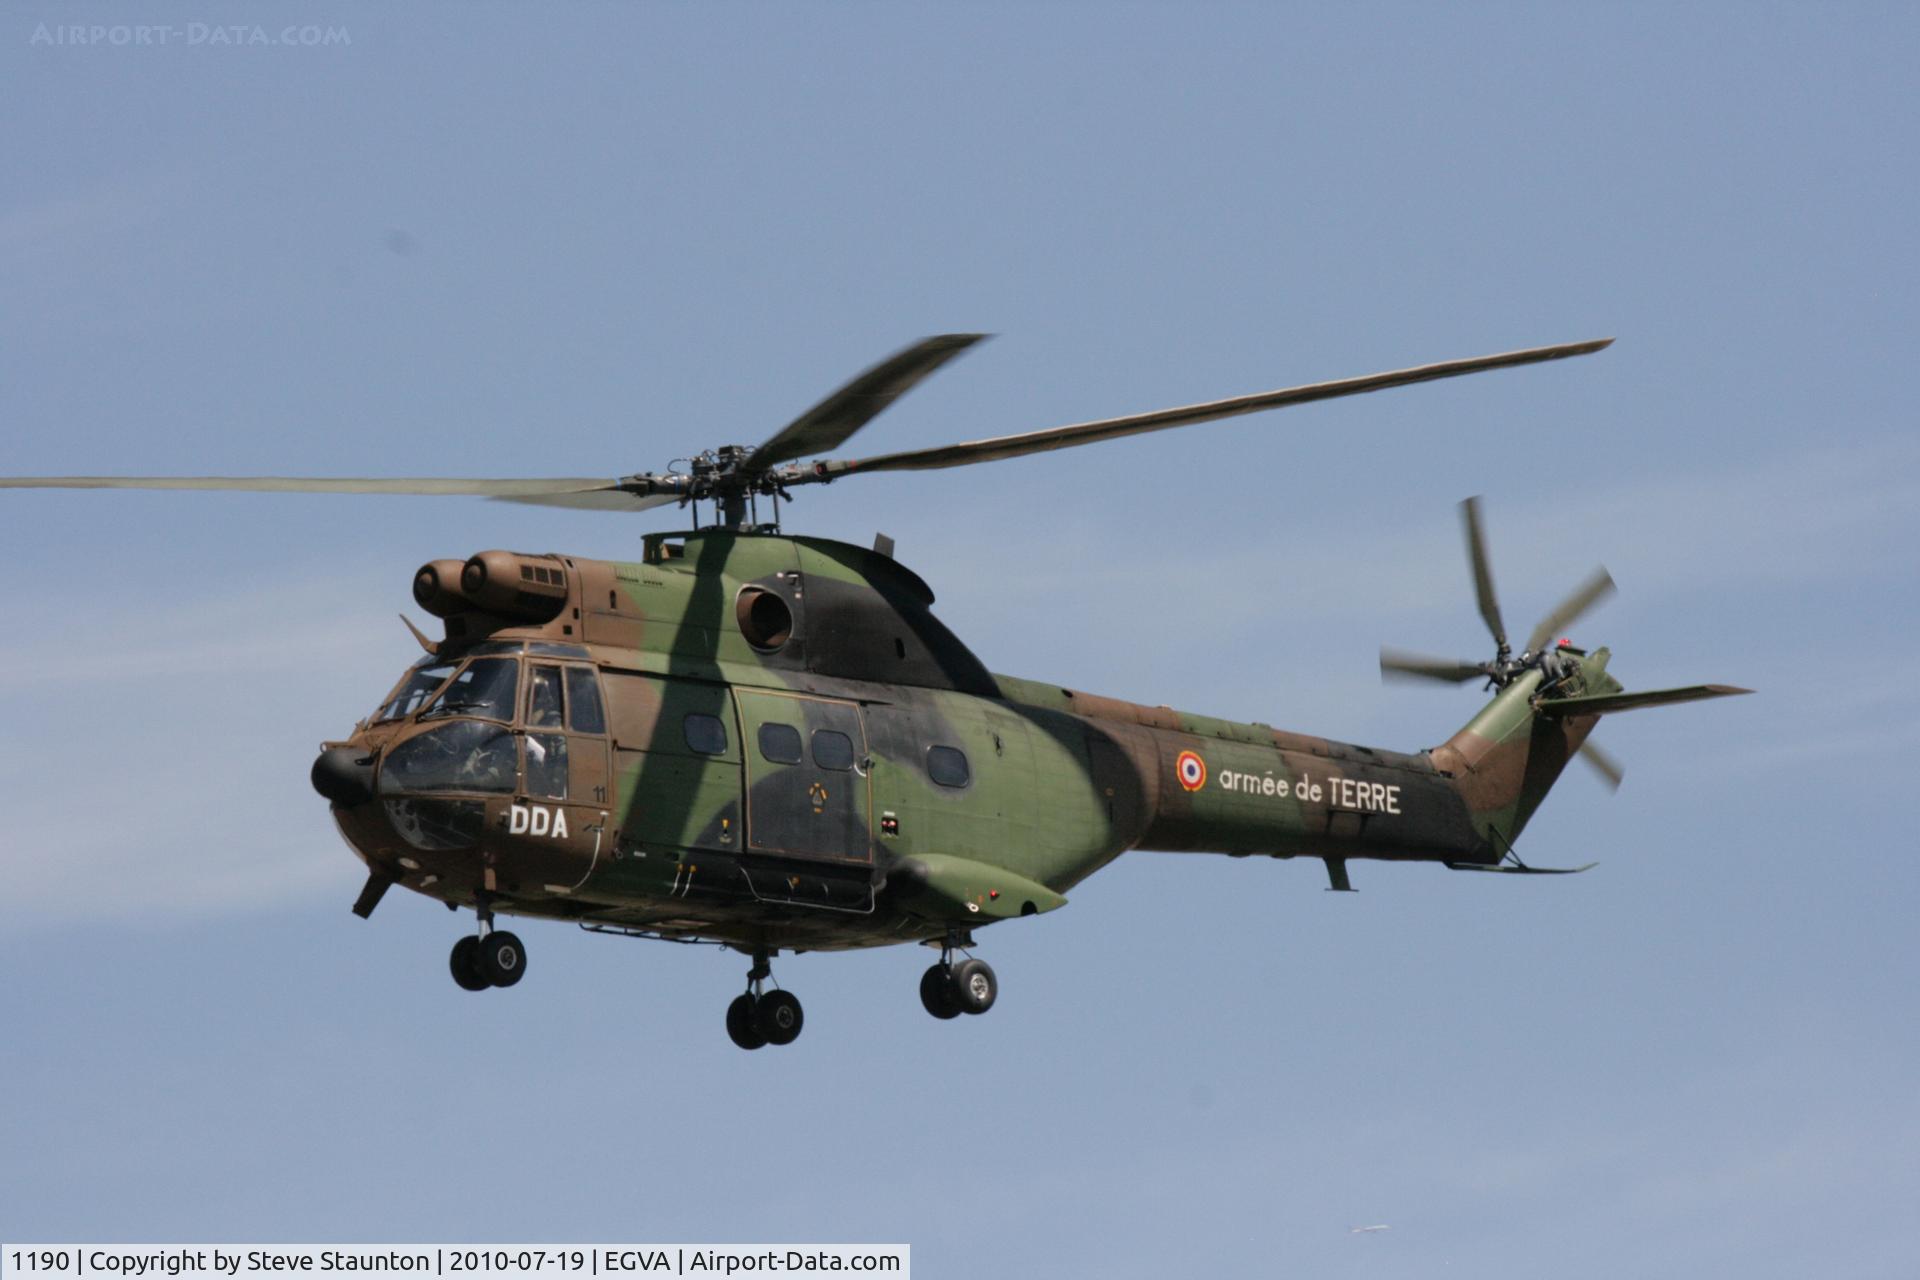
{"points": [[436, 588]]}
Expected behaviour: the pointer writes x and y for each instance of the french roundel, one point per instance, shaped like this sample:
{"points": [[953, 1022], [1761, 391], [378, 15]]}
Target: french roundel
{"points": [[1191, 770]]}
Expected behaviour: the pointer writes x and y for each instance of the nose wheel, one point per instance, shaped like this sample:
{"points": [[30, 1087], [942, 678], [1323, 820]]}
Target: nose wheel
{"points": [[489, 958], [760, 1017], [950, 988]]}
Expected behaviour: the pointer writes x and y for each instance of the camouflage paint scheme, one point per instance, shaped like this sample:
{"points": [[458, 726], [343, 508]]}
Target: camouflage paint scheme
{"points": [[657, 838]]}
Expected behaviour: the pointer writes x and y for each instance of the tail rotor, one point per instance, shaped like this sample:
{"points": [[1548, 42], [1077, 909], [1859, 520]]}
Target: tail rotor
{"points": [[1505, 667]]}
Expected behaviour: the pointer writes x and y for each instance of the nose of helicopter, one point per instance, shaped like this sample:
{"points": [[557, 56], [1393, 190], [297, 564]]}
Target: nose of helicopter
{"points": [[344, 775]]}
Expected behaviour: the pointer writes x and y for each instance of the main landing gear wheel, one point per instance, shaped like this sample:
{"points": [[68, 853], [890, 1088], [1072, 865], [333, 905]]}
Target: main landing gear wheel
{"points": [[936, 992], [953, 987], [502, 959], [759, 1017], [465, 963], [490, 958], [778, 1017], [740, 1023], [973, 986]]}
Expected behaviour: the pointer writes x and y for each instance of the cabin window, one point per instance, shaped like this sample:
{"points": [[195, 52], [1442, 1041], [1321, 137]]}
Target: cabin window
{"points": [[832, 749], [584, 712], [543, 698], [706, 735], [948, 766], [485, 688], [547, 765], [780, 743]]}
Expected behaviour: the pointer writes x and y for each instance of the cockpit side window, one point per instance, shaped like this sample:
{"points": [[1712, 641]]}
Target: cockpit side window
{"points": [[547, 765], [543, 697], [484, 688], [415, 689], [585, 714]]}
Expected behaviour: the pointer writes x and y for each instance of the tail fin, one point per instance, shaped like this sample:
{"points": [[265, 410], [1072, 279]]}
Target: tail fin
{"points": [[1508, 757]]}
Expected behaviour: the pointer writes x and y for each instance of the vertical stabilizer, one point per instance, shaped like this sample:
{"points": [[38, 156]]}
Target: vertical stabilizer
{"points": [[1507, 758]]}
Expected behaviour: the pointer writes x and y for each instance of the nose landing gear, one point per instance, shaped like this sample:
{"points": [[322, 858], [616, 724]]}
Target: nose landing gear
{"points": [[489, 958], [760, 1017], [948, 990]]}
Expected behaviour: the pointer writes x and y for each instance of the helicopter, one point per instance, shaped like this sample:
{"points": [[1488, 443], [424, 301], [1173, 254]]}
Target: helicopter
{"points": [[769, 742]]}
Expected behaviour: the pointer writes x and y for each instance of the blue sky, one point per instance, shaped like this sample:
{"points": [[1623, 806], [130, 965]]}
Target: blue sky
{"points": [[484, 239]]}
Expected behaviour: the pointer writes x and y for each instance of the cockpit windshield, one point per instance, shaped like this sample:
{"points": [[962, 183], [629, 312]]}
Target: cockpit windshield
{"points": [[485, 688], [413, 692]]}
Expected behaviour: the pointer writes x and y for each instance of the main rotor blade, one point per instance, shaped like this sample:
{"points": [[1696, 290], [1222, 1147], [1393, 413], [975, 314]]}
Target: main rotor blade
{"points": [[1603, 764], [1483, 572], [587, 492], [1402, 664], [1597, 587], [997, 447], [830, 423], [605, 499]]}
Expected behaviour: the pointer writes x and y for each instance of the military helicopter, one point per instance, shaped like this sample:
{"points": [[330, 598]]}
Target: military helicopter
{"points": [[769, 742]]}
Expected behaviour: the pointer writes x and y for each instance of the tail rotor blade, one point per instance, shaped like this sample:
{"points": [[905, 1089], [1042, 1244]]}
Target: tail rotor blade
{"points": [[1483, 572], [1597, 587], [1399, 664], [1603, 764]]}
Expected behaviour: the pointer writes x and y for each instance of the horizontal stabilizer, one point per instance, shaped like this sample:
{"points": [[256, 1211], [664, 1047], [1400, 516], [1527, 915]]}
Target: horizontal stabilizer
{"points": [[1602, 704]]}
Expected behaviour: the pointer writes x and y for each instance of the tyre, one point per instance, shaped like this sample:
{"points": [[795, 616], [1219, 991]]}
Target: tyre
{"points": [[974, 987], [502, 959], [936, 993], [465, 963], [778, 1017], [740, 1028]]}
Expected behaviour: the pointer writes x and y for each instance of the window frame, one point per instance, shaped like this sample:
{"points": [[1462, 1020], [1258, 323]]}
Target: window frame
{"points": [[966, 767], [553, 765], [578, 674], [813, 750], [686, 734], [429, 712], [532, 673], [775, 726], [381, 716]]}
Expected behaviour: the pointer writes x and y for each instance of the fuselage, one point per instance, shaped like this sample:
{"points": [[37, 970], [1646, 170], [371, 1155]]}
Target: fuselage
{"points": [[773, 742]]}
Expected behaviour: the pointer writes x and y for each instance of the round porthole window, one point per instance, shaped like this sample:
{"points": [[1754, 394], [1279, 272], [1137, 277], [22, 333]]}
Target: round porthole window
{"points": [[764, 618]]}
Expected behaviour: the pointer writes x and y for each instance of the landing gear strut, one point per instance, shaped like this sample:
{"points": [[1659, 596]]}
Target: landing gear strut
{"points": [[488, 957], [761, 1017], [948, 990]]}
